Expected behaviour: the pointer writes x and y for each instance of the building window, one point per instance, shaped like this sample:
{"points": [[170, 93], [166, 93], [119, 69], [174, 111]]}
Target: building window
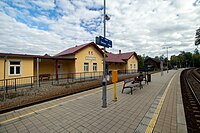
{"points": [[134, 66], [86, 67], [14, 68], [131, 66], [89, 52], [94, 66]]}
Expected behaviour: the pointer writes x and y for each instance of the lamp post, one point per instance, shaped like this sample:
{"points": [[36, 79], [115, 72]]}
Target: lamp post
{"points": [[161, 65], [167, 55], [4, 79], [104, 102]]}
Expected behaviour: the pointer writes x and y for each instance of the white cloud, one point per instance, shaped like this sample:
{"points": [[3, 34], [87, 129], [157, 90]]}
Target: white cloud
{"points": [[19, 38], [44, 4], [142, 26], [66, 6]]}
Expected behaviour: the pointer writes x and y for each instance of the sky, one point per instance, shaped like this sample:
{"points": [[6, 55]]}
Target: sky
{"points": [[146, 27]]}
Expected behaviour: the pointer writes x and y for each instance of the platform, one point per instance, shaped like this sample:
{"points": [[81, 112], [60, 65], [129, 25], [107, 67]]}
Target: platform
{"points": [[157, 107]]}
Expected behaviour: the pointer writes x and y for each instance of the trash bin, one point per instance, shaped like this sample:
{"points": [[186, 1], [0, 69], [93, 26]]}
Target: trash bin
{"points": [[149, 77]]}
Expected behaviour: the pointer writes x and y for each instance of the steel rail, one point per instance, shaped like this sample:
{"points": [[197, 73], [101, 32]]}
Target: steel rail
{"points": [[195, 77], [191, 88]]}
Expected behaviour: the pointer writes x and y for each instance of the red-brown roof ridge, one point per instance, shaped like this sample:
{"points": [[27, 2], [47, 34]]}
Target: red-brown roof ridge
{"points": [[120, 57], [76, 49], [34, 56]]}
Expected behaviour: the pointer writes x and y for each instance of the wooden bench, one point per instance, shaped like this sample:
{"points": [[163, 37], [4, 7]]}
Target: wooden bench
{"points": [[44, 76], [130, 83]]}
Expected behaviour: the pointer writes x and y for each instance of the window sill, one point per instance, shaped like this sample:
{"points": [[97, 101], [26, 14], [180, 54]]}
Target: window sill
{"points": [[12, 75]]}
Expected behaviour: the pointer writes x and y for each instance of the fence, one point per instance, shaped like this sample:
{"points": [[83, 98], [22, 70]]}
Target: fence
{"points": [[31, 81], [15, 83]]}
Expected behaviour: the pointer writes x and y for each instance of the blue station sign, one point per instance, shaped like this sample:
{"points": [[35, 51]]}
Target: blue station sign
{"points": [[102, 41]]}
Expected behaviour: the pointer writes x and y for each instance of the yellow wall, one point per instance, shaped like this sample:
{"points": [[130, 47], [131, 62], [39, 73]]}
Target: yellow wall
{"points": [[133, 60], [26, 67], [47, 66], [124, 66], [1, 68], [116, 66], [68, 65], [81, 59]]}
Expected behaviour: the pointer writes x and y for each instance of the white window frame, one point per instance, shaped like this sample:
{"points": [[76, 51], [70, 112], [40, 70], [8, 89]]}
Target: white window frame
{"points": [[94, 67], [9, 65], [86, 66], [131, 66], [134, 66]]}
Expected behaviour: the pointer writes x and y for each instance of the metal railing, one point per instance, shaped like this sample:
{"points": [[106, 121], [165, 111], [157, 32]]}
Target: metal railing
{"points": [[15, 83], [66, 78]]}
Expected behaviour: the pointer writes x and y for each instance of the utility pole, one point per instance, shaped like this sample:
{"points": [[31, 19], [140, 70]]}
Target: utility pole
{"points": [[167, 60], [161, 65], [167, 56], [104, 104]]}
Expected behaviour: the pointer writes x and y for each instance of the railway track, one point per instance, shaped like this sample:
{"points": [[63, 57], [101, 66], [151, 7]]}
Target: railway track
{"points": [[190, 86]]}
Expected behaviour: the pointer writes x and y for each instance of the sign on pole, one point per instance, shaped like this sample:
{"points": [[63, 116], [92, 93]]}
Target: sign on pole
{"points": [[102, 41]]}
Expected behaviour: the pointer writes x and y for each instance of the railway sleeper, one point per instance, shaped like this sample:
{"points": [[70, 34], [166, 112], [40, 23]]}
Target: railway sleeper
{"points": [[195, 107], [191, 99], [196, 111], [197, 116], [193, 104]]}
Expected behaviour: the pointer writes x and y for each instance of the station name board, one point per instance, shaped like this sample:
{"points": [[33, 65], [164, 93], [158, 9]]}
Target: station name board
{"points": [[90, 58]]}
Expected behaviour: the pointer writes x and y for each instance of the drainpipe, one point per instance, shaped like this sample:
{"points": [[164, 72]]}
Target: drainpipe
{"points": [[56, 69], [37, 73], [4, 79]]}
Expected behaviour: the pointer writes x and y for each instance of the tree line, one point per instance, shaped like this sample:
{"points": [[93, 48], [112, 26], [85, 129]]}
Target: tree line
{"points": [[184, 59]]}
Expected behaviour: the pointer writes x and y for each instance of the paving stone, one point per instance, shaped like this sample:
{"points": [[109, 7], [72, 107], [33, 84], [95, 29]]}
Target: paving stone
{"points": [[3, 130], [84, 113], [141, 128]]}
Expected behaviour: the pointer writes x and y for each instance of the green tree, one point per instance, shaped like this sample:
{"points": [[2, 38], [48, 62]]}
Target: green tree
{"points": [[141, 62], [165, 59], [156, 57], [197, 37], [196, 58], [196, 51], [186, 59], [174, 60]]}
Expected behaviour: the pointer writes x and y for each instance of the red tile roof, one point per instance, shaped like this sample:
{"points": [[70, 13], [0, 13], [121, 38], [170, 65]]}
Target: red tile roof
{"points": [[34, 56], [120, 58], [17, 55], [76, 49]]}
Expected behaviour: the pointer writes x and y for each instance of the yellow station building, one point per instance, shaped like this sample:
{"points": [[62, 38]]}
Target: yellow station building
{"points": [[88, 57], [83, 58], [127, 62], [16, 65]]}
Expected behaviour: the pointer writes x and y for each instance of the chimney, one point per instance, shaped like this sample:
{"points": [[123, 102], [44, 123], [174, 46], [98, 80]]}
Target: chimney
{"points": [[119, 51]]}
